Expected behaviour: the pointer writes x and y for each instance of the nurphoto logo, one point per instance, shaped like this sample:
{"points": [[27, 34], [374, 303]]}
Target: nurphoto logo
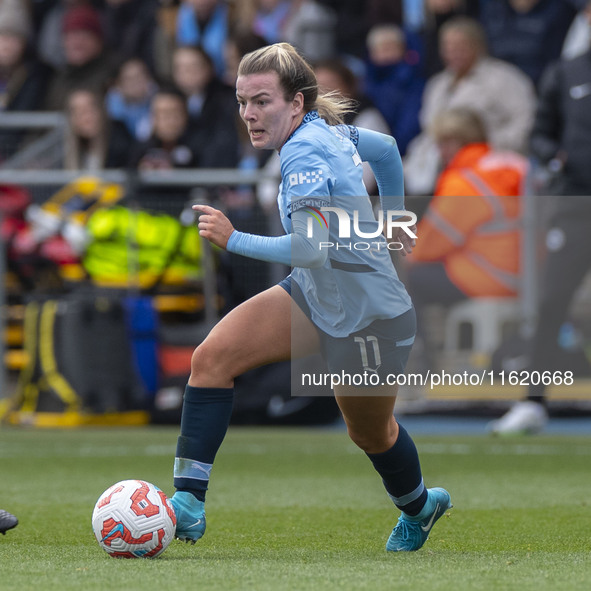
{"points": [[394, 221]]}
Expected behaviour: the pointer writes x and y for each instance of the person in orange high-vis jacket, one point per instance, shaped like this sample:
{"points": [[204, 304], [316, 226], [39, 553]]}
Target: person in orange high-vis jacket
{"points": [[469, 237]]}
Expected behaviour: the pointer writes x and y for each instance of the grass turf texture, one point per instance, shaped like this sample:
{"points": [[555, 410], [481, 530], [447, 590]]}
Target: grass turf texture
{"points": [[301, 509]]}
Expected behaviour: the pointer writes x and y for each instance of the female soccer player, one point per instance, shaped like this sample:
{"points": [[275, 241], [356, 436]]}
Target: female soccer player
{"points": [[348, 301]]}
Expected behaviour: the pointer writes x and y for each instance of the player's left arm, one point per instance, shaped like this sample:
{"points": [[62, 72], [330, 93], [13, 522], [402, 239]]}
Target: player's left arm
{"points": [[381, 151]]}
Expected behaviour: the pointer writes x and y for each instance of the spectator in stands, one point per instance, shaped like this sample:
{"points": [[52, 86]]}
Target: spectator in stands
{"points": [[335, 75], [561, 140], [499, 92], [171, 144], [437, 13], [527, 33], [93, 141], [239, 43], [214, 133], [22, 77], [131, 30], [130, 98], [313, 28], [204, 23], [211, 106], [468, 240], [393, 81], [88, 64], [50, 26], [354, 19]]}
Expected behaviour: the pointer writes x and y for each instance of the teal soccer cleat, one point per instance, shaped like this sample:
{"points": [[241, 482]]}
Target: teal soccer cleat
{"points": [[190, 516], [411, 533]]}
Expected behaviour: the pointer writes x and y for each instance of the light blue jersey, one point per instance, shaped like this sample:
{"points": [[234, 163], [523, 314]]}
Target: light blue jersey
{"points": [[357, 284]]}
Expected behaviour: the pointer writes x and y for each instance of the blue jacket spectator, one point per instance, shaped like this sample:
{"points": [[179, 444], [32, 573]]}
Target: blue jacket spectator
{"points": [[393, 81], [204, 23], [528, 34], [129, 100]]}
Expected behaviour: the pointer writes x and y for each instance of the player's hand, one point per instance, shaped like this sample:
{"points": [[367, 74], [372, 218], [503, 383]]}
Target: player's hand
{"points": [[407, 242], [214, 225]]}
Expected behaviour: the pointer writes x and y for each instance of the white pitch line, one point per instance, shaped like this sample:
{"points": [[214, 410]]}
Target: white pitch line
{"points": [[499, 450]]}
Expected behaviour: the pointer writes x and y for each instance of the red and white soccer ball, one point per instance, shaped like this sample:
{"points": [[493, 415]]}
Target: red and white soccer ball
{"points": [[133, 519]]}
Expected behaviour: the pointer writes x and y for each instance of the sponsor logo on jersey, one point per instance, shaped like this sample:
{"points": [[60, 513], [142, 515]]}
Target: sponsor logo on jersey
{"points": [[305, 178]]}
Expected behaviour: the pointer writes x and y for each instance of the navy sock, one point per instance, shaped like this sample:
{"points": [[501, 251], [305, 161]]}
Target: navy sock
{"points": [[400, 470], [204, 422]]}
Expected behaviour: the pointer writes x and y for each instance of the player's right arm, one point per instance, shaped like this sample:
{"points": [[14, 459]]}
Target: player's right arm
{"points": [[308, 181], [295, 249]]}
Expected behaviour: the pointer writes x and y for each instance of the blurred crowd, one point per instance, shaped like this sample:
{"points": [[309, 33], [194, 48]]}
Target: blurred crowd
{"points": [[477, 93], [467, 87], [149, 83]]}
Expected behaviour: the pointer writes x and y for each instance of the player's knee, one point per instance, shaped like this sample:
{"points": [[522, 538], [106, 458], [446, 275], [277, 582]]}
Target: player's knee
{"points": [[371, 441], [207, 359]]}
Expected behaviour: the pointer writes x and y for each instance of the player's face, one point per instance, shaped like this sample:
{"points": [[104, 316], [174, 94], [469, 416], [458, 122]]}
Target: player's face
{"points": [[269, 118]]}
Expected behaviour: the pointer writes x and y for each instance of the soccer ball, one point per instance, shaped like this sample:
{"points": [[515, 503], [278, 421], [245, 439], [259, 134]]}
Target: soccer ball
{"points": [[133, 519]]}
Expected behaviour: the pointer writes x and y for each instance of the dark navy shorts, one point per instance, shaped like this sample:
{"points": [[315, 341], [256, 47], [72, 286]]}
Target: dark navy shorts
{"points": [[382, 347]]}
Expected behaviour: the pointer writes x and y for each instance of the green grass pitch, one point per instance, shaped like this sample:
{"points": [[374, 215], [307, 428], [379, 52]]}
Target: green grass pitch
{"points": [[295, 509]]}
